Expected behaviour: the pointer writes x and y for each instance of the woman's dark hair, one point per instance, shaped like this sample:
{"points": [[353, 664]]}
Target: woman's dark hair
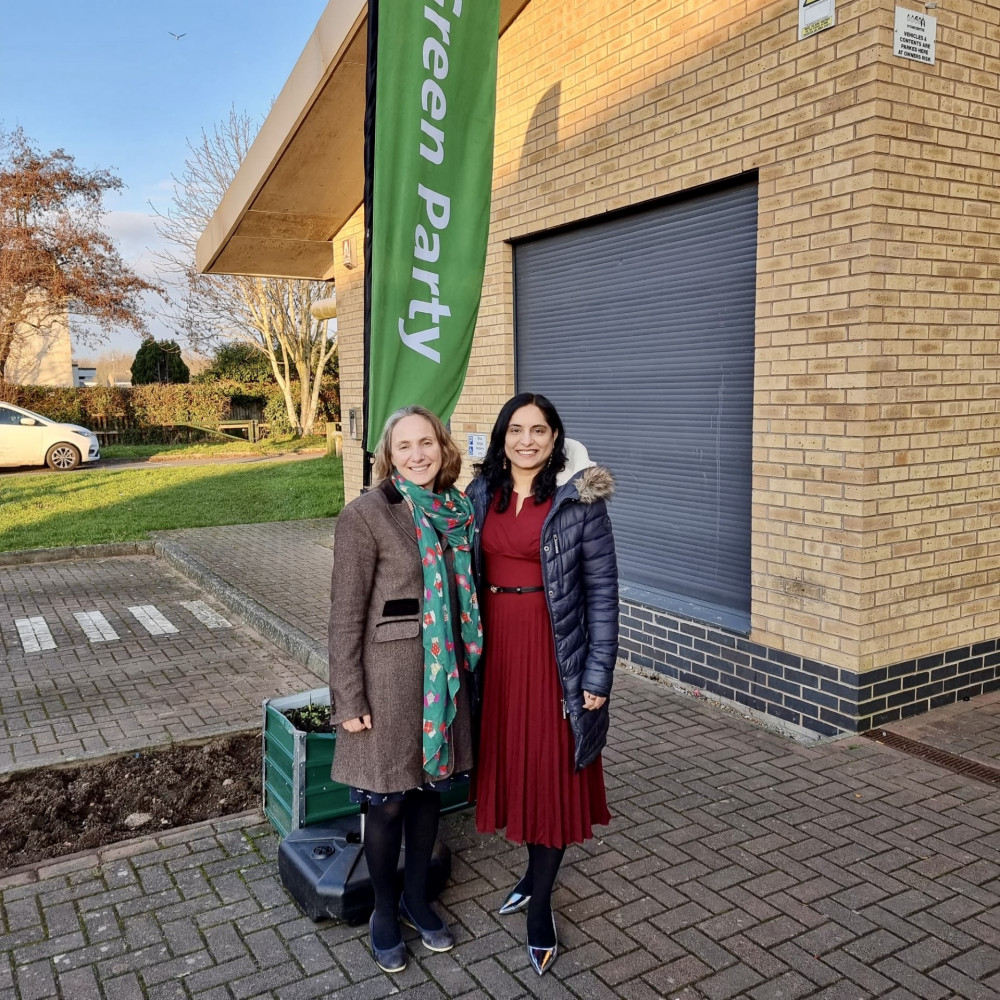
{"points": [[494, 466]]}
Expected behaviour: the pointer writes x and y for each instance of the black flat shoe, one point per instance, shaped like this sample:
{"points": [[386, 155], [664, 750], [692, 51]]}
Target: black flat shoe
{"points": [[439, 940], [387, 959], [542, 959], [514, 903]]}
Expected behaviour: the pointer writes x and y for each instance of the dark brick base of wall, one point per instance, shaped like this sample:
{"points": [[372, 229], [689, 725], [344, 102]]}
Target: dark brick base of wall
{"points": [[814, 696]]}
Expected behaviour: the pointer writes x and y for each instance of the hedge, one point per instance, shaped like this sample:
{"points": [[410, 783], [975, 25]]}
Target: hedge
{"points": [[204, 404]]}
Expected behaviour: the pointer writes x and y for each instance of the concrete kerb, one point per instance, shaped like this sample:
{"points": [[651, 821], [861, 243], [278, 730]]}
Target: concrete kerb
{"points": [[108, 550], [297, 644], [142, 843]]}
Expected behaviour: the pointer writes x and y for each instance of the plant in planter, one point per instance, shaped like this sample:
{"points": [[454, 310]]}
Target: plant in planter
{"points": [[311, 719]]}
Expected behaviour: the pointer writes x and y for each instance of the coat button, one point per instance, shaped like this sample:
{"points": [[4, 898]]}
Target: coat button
{"points": [[546, 548], [551, 593]]}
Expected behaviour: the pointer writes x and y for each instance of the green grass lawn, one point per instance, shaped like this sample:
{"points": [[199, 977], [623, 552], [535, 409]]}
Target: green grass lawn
{"points": [[214, 449], [118, 505]]}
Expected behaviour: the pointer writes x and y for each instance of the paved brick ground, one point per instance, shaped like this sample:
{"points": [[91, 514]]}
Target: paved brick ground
{"points": [[85, 698], [739, 865], [285, 566]]}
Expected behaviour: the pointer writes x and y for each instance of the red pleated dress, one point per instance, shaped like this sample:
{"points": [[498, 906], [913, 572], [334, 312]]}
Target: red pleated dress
{"points": [[524, 781]]}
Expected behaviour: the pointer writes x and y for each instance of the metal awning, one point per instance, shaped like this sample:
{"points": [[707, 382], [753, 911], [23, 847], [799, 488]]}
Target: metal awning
{"points": [[303, 177]]}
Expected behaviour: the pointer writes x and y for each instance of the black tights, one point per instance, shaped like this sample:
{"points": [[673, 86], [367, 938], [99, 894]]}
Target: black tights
{"points": [[537, 882], [416, 816]]}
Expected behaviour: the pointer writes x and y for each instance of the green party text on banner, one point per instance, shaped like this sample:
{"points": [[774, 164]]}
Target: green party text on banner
{"points": [[428, 198]]}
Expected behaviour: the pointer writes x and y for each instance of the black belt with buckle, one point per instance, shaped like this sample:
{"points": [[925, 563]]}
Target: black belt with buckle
{"points": [[514, 590]]}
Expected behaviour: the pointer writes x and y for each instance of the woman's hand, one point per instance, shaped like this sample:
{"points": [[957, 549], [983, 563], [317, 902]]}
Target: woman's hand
{"points": [[591, 702], [356, 725]]}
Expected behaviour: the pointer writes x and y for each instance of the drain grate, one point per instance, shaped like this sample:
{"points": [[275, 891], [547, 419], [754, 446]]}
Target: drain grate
{"points": [[949, 761]]}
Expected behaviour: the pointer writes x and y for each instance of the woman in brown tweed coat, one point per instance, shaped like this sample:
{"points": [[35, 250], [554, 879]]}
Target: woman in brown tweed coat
{"points": [[381, 664]]}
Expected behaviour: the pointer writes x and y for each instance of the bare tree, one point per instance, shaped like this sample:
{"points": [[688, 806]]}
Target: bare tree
{"points": [[195, 361], [113, 362], [273, 315], [55, 258]]}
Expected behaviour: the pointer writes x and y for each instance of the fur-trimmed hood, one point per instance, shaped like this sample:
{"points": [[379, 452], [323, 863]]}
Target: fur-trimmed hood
{"points": [[593, 482]]}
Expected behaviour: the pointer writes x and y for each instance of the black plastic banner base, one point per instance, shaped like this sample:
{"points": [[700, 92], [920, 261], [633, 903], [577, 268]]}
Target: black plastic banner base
{"points": [[323, 868]]}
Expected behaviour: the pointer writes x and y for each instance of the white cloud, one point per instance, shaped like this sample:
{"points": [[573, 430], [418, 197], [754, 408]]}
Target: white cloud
{"points": [[138, 241]]}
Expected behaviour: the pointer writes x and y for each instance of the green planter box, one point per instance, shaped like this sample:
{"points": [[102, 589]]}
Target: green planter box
{"points": [[297, 787]]}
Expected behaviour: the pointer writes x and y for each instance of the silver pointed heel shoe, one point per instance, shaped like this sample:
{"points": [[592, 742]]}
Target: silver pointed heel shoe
{"points": [[514, 903], [542, 959]]}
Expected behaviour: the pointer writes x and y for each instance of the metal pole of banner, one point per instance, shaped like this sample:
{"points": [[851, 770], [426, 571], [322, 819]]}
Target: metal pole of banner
{"points": [[370, 71]]}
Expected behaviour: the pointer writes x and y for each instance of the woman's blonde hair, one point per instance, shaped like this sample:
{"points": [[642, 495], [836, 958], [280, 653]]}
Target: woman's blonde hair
{"points": [[451, 457]]}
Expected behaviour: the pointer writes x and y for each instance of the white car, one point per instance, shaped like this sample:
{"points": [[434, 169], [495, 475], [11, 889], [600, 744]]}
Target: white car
{"points": [[28, 438]]}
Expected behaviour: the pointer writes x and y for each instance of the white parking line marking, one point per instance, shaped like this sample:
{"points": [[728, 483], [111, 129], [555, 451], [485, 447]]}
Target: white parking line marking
{"points": [[96, 627], [152, 619], [35, 635], [205, 614]]}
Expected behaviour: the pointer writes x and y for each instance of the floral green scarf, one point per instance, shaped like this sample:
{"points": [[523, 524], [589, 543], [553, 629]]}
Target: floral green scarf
{"points": [[443, 515]]}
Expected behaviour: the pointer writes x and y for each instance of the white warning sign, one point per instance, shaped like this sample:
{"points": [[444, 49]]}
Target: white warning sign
{"points": [[815, 15], [915, 36]]}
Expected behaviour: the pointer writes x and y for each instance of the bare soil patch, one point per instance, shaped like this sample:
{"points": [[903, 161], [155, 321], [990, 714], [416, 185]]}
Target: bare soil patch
{"points": [[48, 812]]}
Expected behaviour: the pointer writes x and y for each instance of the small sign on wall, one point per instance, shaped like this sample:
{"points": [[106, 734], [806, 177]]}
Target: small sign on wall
{"points": [[914, 36], [477, 446], [815, 15]]}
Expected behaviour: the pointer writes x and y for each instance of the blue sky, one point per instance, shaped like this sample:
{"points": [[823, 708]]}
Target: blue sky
{"points": [[106, 82]]}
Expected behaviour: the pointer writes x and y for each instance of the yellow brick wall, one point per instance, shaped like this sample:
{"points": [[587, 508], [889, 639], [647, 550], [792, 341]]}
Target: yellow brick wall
{"points": [[933, 447], [876, 527], [350, 285]]}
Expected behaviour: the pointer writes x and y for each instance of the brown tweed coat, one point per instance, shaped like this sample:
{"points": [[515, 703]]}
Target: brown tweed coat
{"points": [[376, 655]]}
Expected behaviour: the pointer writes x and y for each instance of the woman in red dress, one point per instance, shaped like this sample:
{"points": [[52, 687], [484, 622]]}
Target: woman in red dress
{"points": [[549, 579]]}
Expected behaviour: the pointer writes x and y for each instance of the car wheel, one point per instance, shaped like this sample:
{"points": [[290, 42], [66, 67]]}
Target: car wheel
{"points": [[63, 457]]}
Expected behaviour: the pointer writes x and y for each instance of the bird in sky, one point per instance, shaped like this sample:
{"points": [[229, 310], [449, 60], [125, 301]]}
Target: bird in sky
{"points": [[177, 38]]}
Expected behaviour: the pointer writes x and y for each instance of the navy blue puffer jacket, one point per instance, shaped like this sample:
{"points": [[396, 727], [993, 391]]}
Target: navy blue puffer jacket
{"points": [[580, 574]]}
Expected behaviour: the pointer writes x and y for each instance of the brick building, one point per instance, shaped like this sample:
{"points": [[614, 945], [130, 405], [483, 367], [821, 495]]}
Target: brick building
{"points": [[761, 276]]}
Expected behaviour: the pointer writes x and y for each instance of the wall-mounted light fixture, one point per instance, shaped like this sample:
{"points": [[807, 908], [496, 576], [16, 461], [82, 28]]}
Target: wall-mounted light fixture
{"points": [[324, 308], [347, 252]]}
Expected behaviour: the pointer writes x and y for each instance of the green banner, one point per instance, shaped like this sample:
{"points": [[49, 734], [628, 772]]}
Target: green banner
{"points": [[429, 203]]}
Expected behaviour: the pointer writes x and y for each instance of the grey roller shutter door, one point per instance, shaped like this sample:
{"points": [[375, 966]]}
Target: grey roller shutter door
{"points": [[640, 329]]}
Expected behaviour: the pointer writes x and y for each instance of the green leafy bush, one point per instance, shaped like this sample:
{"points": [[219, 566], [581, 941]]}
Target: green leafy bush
{"points": [[143, 407], [113, 402], [238, 363], [55, 402], [276, 414], [203, 405]]}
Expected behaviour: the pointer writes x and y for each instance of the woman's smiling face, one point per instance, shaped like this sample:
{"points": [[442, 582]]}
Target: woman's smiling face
{"points": [[529, 440], [416, 451]]}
